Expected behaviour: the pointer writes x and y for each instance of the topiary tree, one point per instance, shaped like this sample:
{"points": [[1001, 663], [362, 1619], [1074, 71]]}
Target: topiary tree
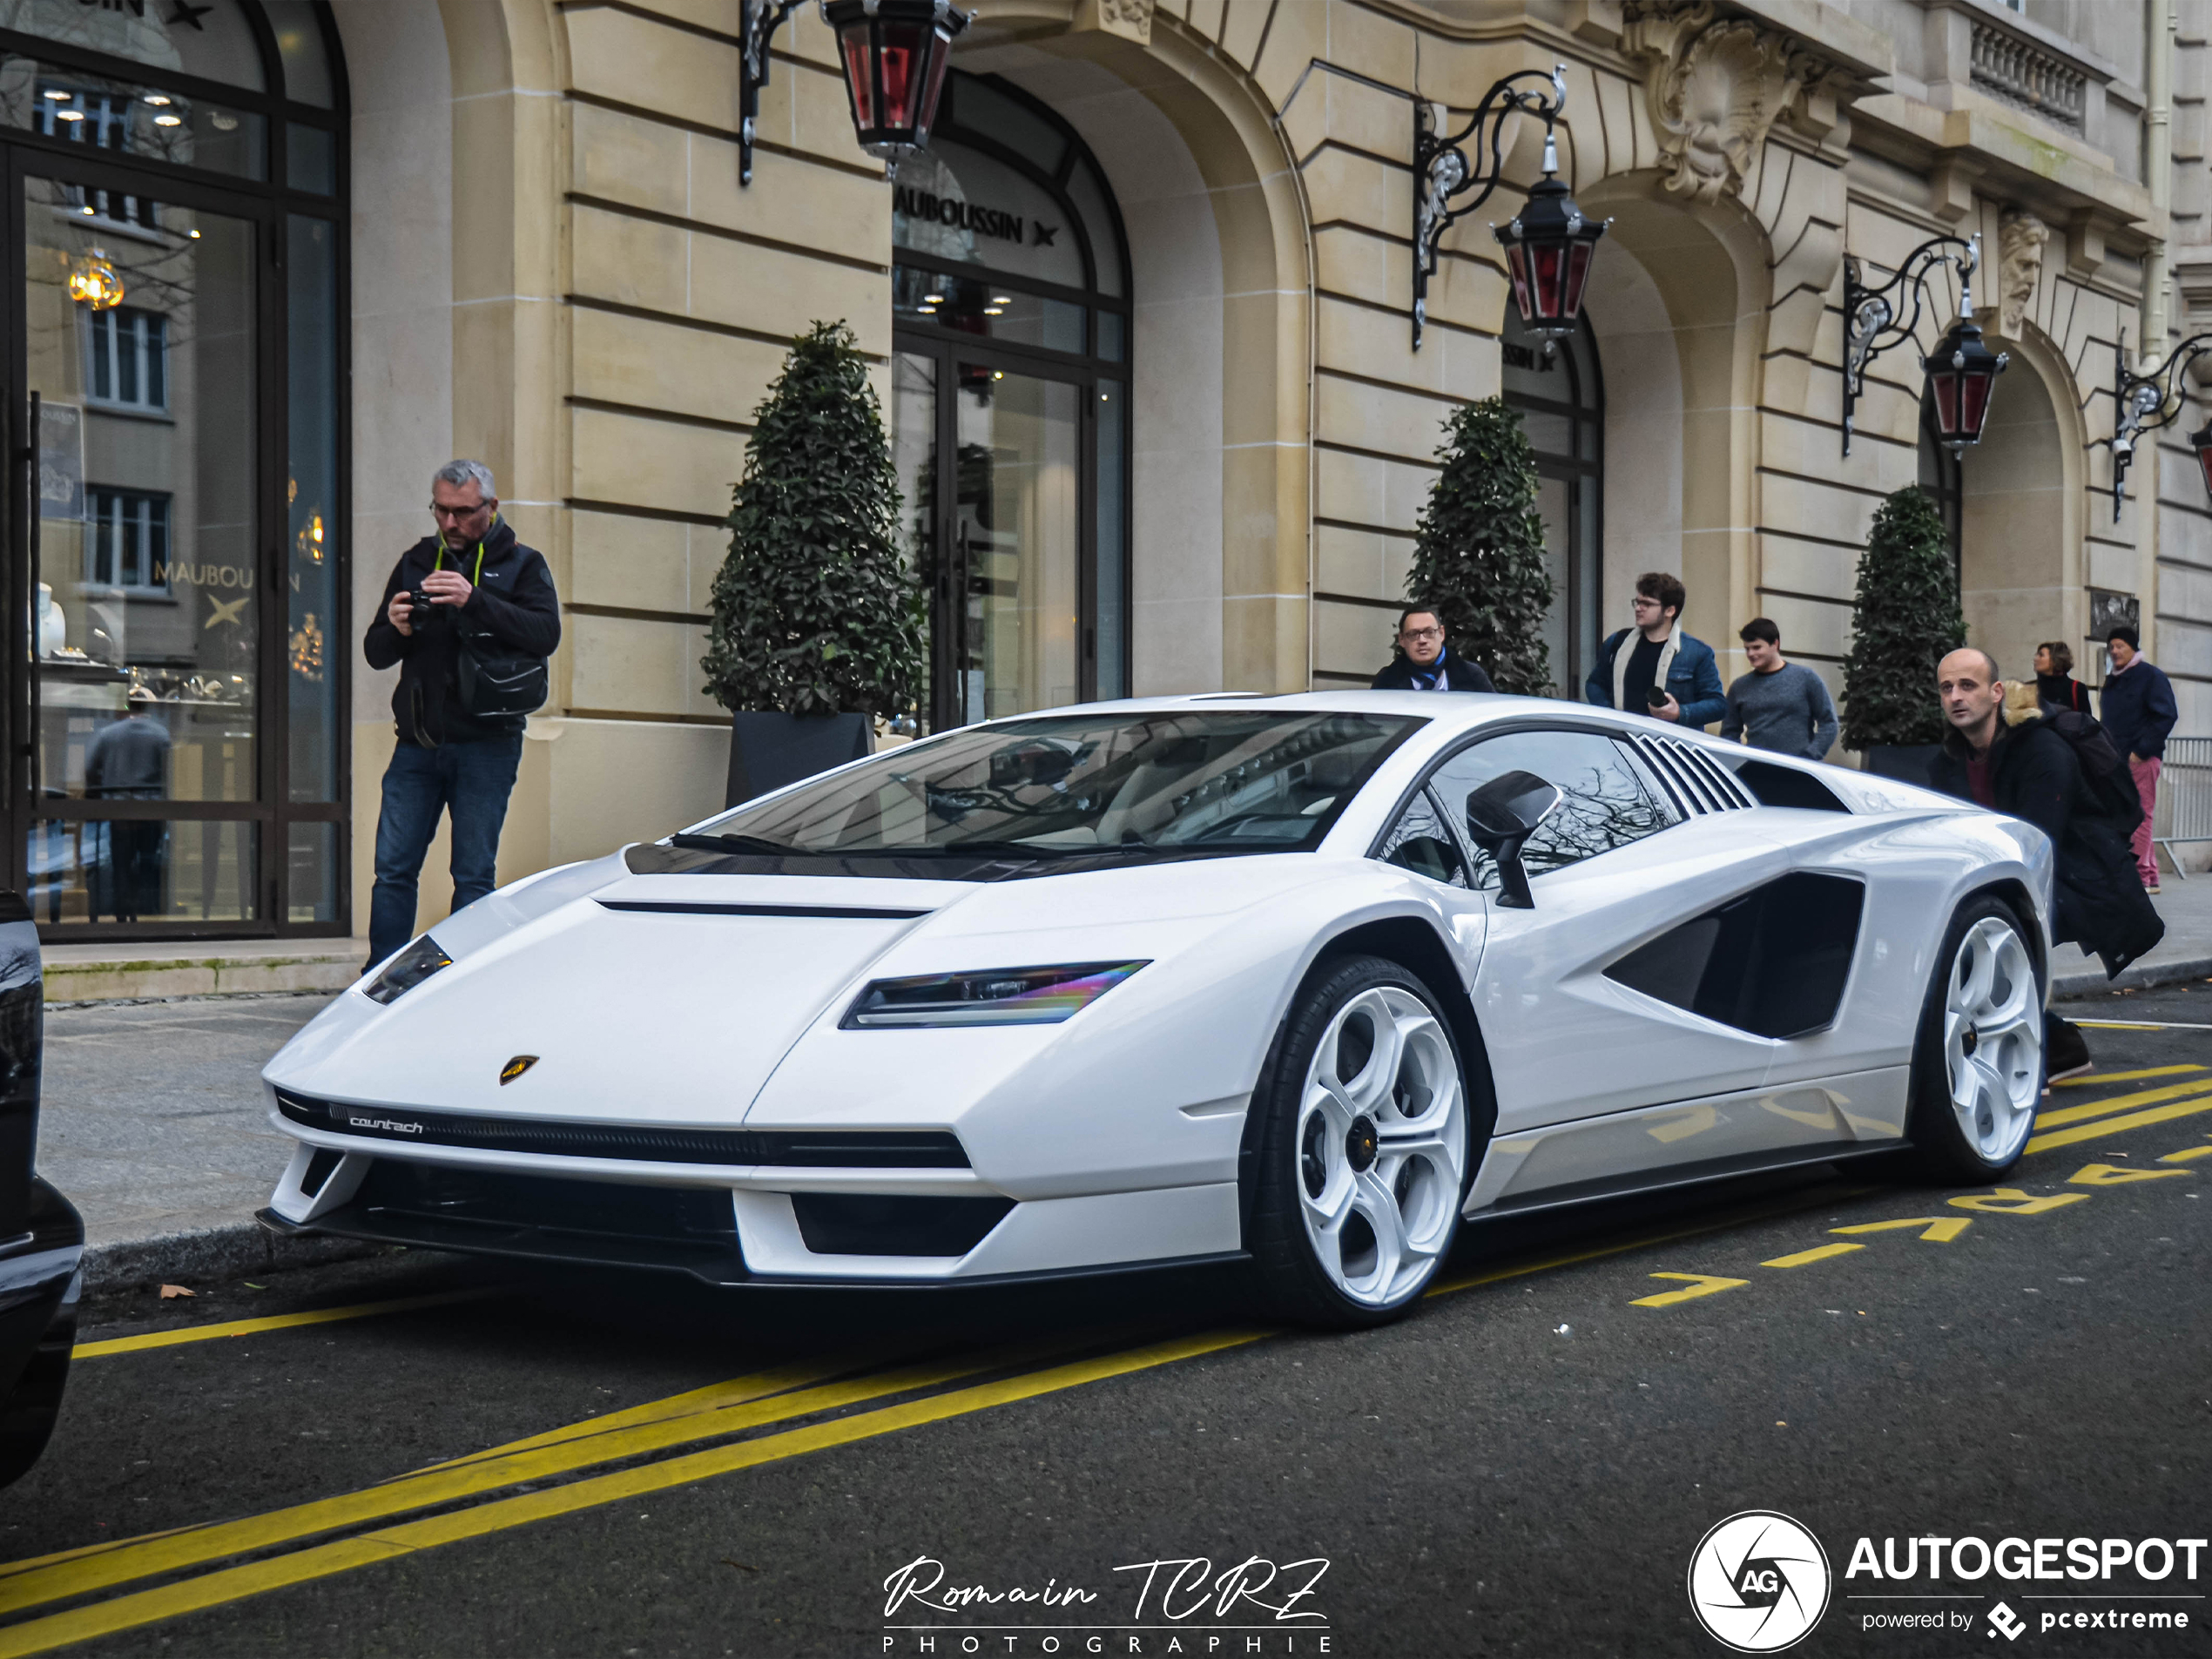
{"points": [[815, 611], [1479, 549], [1906, 618]]}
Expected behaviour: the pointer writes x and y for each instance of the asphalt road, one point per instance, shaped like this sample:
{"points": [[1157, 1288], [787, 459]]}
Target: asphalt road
{"points": [[1526, 1465]]}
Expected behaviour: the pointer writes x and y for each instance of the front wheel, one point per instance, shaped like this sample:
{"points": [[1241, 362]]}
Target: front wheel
{"points": [[1363, 1150], [1978, 1066]]}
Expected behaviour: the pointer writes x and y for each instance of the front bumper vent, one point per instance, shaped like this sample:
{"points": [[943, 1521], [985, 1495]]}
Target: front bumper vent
{"points": [[794, 1148]]}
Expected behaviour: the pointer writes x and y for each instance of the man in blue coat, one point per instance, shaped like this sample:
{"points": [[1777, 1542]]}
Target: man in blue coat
{"points": [[1666, 674], [2139, 715]]}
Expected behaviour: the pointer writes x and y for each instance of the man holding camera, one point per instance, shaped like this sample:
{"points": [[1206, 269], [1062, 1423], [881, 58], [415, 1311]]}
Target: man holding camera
{"points": [[469, 616]]}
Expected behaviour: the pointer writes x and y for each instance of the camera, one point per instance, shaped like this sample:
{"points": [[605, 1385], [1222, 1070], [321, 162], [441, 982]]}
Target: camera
{"points": [[419, 609], [1657, 696]]}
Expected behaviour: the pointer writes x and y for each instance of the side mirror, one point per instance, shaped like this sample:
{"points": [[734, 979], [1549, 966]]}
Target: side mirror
{"points": [[1502, 816]]}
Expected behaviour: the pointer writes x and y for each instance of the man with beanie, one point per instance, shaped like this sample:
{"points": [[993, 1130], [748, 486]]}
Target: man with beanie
{"points": [[2139, 716]]}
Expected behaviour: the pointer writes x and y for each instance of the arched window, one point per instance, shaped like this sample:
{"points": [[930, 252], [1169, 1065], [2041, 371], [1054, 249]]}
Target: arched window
{"points": [[1010, 405], [1560, 397], [176, 245]]}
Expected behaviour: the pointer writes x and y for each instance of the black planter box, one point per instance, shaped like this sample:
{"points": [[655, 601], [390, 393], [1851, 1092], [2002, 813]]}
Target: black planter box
{"points": [[768, 750], [1906, 762]]}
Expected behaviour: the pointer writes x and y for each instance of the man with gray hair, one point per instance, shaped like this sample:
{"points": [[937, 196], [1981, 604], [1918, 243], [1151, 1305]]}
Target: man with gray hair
{"points": [[469, 617]]}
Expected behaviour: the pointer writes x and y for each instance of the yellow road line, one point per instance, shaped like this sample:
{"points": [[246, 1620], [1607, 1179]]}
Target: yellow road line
{"points": [[2187, 1155], [213, 1589], [2116, 1125], [1806, 1258], [2144, 1025], [169, 1552], [2122, 1076], [771, 1396], [1734, 1218], [2116, 1104], [714, 1397], [277, 1322]]}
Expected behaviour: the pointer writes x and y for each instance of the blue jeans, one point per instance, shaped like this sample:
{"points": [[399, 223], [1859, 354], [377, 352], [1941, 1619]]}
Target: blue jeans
{"points": [[471, 778]]}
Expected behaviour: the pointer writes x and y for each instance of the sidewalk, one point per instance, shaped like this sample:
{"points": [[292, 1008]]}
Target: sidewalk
{"points": [[2185, 953], [151, 1123]]}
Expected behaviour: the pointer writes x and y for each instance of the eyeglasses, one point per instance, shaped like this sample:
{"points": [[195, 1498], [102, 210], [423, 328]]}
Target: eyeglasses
{"points": [[1421, 633], [457, 513]]}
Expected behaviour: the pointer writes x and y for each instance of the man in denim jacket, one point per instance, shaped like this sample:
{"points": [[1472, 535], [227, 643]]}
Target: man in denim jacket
{"points": [[1665, 674]]}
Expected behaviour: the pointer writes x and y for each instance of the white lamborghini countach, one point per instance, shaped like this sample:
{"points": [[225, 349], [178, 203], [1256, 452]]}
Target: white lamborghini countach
{"points": [[1303, 981]]}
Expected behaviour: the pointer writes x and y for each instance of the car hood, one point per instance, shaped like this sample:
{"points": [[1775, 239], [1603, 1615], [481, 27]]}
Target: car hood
{"points": [[671, 999]]}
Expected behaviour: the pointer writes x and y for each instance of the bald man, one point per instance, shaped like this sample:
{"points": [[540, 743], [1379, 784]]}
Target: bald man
{"points": [[2001, 753]]}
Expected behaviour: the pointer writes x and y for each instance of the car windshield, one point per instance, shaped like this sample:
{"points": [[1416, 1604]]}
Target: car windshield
{"points": [[1172, 783]]}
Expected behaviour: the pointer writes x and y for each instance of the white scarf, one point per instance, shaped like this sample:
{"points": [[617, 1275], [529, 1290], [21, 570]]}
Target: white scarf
{"points": [[1658, 674]]}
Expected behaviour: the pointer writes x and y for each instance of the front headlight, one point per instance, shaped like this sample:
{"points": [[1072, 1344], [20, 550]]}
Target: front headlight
{"points": [[1001, 996], [407, 970]]}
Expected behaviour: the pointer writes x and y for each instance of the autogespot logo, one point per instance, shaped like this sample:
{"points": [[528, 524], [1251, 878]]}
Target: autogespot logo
{"points": [[1758, 1581]]}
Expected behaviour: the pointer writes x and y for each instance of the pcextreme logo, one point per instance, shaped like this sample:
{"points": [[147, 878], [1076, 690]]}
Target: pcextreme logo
{"points": [[1758, 1581]]}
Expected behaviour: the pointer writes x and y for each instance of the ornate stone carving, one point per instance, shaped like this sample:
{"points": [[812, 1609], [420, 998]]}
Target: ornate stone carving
{"points": [[1131, 19], [2021, 237], [1714, 90]]}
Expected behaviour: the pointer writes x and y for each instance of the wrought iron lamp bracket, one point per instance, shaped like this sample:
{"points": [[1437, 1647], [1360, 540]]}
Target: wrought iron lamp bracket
{"points": [[758, 21], [2146, 401], [1442, 172], [1871, 323]]}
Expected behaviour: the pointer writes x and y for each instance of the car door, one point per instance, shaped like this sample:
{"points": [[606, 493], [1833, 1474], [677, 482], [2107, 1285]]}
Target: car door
{"points": [[1618, 865], [1420, 841]]}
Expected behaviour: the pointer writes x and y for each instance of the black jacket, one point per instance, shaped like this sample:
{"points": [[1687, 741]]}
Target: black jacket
{"points": [[2033, 775], [2063, 691], [514, 604], [1458, 673]]}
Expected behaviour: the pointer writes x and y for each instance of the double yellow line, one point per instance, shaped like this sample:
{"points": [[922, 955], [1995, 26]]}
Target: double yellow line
{"points": [[815, 1388], [2095, 1119]]}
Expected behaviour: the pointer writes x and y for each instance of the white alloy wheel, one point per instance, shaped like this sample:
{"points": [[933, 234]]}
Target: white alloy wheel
{"points": [[1993, 1040], [1382, 1146]]}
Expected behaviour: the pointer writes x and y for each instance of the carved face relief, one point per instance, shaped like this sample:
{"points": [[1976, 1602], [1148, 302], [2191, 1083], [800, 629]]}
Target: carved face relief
{"points": [[1713, 90], [2021, 237]]}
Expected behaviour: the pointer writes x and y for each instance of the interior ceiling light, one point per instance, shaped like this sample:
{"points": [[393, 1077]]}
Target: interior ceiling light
{"points": [[932, 299], [69, 115], [995, 311], [1001, 300], [168, 120], [57, 95], [157, 99]]}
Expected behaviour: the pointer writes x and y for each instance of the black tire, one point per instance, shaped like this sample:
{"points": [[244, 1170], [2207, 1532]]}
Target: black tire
{"points": [[1295, 1283], [1942, 1151]]}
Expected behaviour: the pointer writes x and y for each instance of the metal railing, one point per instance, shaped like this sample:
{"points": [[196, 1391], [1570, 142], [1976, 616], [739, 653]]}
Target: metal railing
{"points": [[2184, 815]]}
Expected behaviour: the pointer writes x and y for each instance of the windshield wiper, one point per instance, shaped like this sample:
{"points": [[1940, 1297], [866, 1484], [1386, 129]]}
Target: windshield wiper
{"points": [[733, 844]]}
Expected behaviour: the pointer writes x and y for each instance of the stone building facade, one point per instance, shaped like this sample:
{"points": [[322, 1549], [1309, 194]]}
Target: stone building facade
{"points": [[1201, 426], [618, 301]]}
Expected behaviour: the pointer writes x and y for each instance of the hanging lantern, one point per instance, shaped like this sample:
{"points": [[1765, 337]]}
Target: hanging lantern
{"points": [[1961, 372], [895, 53], [93, 281], [1548, 253], [2202, 442]]}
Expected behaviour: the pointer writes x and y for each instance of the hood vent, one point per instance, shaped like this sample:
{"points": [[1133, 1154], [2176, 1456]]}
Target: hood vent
{"points": [[677, 907]]}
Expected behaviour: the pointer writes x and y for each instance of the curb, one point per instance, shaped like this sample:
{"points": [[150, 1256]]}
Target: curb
{"points": [[206, 1253], [2136, 976]]}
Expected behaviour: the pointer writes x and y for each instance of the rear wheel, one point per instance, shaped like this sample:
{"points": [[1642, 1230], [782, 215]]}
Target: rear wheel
{"points": [[1978, 1066], [1363, 1154]]}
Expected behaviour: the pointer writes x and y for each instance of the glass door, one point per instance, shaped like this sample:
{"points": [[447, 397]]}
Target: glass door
{"points": [[139, 379], [1016, 553]]}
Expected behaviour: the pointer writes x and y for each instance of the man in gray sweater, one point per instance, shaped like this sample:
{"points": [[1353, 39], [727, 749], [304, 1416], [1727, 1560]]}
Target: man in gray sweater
{"points": [[1778, 705]]}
